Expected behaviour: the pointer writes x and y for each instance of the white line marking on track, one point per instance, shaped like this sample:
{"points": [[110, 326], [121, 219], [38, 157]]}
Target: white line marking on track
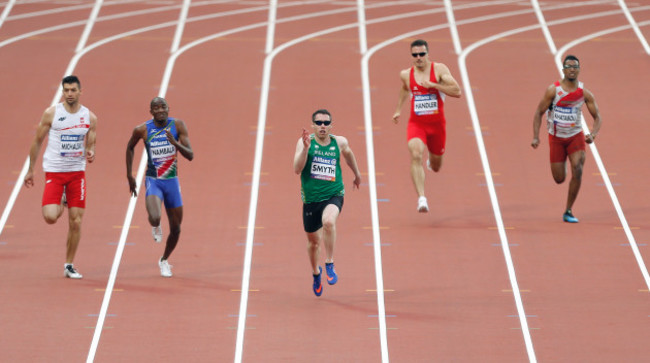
{"points": [[6, 11], [635, 26]]}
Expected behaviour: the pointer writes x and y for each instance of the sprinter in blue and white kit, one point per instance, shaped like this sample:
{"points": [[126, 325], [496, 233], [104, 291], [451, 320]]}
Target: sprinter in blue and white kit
{"points": [[163, 137]]}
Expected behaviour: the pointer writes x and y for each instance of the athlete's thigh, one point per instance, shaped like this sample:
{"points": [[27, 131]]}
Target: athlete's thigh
{"points": [[414, 132], [312, 214], [437, 139], [577, 144], [75, 190], [172, 192], [557, 149], [53, 190], [331, 213], [153, 203]]}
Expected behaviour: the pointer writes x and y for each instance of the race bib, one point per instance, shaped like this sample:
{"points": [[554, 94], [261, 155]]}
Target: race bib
{"points": [[72, 145], [564, 116], [323, 168], [161, 151], [426, 104]]}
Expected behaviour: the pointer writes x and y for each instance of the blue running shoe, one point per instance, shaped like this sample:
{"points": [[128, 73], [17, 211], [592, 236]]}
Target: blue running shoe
{"points": [[318, 287], [569, 218], [331, 274]]}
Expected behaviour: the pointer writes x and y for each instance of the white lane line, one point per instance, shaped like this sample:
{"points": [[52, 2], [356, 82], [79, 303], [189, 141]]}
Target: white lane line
{"points": [[452, 27], [6, 11], [89, 25], [63, 9], [182, 18], [361, 19], [596, 155], [635, 26], [545, 30], [108, 292], [270, 29], [110, 17], [372, 190], [493, 195]]}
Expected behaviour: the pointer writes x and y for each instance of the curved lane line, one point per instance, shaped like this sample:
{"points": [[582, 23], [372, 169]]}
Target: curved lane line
{"points": [[635, 26], [64, 9]]}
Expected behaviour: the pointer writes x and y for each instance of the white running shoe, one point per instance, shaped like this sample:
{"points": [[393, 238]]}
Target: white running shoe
{"points": [[156, 232], [165, 268], [69, 271], [423, 207]]}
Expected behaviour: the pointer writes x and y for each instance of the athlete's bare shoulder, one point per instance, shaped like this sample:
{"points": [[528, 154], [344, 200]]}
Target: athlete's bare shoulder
{"points": [[140, 131]]}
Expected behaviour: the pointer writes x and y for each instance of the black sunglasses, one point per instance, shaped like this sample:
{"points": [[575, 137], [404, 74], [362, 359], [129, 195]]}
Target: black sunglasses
{"points": [[421, 54], [319, 123]]}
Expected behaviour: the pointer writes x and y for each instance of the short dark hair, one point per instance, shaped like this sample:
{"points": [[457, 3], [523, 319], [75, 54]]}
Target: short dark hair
{"points": [[419, 43], [570, 57], [70, 80], [322, 111], [156, 100]]}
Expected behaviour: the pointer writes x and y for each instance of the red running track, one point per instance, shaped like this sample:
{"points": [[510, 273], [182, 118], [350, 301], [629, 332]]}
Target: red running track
{"points": [[447, 293]]}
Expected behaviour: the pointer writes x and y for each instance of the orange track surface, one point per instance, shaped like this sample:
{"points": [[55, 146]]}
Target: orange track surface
{"points": [[447, 292]]}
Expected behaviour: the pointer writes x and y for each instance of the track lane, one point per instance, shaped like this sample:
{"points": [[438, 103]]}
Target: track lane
{"points": [[75, 312], [144, 283], [433, 308], [582, 276], [288, 312]]}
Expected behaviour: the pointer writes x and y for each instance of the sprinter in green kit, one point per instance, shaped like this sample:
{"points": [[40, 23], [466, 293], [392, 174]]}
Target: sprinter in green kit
{"points": [[317, 160]]}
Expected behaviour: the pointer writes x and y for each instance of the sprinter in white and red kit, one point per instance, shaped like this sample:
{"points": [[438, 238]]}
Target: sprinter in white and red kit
{"points": [[562, 104], [70, 128]]}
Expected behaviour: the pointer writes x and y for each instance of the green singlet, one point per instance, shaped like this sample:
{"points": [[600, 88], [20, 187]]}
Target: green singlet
{"points": [[321, 177]]}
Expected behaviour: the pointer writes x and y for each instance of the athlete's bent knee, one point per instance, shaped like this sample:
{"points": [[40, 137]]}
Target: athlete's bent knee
{"points": [[329, 224], [154, 221]]}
